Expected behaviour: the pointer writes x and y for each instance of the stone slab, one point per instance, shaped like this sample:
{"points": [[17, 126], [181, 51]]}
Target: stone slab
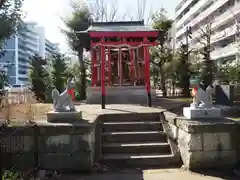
{"points": [[201, 125], [217, 141], [199, 113], [120, 95], [64, 117], [211, 159]]}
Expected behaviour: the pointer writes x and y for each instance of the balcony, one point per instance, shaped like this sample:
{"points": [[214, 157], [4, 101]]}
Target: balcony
{"points": [[31, 36], [193, 10], [184, 4], [224, 34], [23, 76], [224, 52], [21, 51], [30, 50], [30, 42], [23, 61], [218, 36], [204, 15], [222, 19], [23, 65]]}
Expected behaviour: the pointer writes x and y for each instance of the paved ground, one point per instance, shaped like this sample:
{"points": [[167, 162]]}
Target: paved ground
{"points": [[165, 174], [91, 111]]}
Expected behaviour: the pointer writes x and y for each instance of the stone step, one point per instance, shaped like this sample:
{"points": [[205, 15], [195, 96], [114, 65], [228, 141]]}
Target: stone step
{"points": [[124, 148], [132, 117], [141, 160], [120, 99], [130, 137], [132, 126]]}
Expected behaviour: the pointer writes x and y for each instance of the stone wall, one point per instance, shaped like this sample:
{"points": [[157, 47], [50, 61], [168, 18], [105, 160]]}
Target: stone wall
{"points": [[204, 143], [57, 146], [18, 147]]}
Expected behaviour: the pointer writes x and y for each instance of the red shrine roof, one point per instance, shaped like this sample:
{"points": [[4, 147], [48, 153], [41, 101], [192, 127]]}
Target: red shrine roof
{"points": [[120, 26]]}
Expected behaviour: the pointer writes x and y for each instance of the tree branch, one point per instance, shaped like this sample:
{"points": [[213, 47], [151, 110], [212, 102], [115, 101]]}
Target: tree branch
{"points": [[141, 4], [113, 12]]}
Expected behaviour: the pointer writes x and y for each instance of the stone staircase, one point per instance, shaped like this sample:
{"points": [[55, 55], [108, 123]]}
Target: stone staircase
{"points": [[136, 141]]}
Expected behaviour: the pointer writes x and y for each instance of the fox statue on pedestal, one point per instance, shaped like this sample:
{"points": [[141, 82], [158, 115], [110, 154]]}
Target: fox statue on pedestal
{"points": [[64, 102], [202, 97]]}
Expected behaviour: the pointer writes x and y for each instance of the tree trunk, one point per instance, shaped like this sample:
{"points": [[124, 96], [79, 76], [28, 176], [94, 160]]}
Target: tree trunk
{"points": [[173, 87], [162, 82], [83, 74]]}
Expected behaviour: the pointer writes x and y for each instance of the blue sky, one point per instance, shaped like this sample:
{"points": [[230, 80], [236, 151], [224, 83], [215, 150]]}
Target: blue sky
{"points": [[47, 13]]}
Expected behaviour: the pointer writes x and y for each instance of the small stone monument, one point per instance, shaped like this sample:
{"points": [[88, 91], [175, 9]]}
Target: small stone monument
{"points": [[202, 105], [64, 109]]}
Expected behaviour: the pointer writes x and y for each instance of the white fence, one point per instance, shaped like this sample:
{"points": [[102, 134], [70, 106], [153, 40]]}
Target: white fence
{"points": [[19, 96], [19, 105]]}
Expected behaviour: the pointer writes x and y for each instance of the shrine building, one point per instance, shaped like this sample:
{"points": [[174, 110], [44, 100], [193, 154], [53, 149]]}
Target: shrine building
{"points": [[120, 63]]}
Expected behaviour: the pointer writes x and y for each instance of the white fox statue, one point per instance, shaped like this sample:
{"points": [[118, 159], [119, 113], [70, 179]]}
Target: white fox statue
{"points": [[63, 102], [202, 98]]}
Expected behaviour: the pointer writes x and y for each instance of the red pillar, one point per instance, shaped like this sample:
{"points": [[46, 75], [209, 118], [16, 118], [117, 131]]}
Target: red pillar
{"points": [[120, 66], [94, 66], [109, 67], [103, 75], [132, 56], [147, 72]]}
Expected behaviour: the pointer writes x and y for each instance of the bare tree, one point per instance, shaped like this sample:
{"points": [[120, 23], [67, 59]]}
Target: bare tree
{"points": [[129, 16], [113, 12], [104, 12], [141, 5], [150, 15]]}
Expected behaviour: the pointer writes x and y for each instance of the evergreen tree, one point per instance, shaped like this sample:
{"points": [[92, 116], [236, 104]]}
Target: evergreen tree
{"points": [[10, 15], [207, 64], [37, 77], [183, 70], [3, 79], [80, 21], [162, 54], [59, 72]]}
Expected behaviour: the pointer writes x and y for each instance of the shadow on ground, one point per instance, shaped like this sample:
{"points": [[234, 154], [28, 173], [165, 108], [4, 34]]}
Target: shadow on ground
{"points": [[161, 174], [171, 104], [106, 176], [218, 173]]}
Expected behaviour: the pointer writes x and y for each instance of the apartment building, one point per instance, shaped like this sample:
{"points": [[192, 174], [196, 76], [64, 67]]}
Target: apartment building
{"points": [[224, 16], [29, 40], [50, 48]]}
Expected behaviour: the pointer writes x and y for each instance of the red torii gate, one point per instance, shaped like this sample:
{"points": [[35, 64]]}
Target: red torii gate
{"points": [[118, 35]]}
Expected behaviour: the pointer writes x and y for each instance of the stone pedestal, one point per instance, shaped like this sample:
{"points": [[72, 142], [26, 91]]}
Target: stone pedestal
{"points": [[199, 113], [64, 117], [66, 147], [205, 143]]}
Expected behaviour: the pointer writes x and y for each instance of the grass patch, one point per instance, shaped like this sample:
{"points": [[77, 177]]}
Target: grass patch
{"points": [[235, 118], [182, 99]]}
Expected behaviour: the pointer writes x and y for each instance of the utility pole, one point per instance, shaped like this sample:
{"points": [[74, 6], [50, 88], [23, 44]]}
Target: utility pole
{"points": [[188, 35], [237, 39]]}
